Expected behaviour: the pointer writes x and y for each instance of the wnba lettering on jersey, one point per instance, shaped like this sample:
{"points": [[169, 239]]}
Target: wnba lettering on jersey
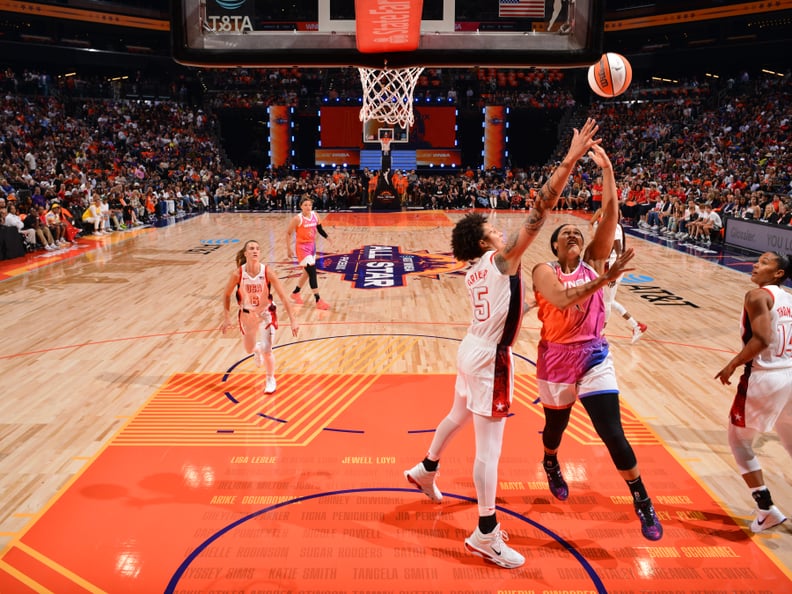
{"points": [[574, 283]]}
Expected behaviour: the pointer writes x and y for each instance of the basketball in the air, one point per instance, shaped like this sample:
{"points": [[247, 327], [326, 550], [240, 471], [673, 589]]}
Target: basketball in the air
{"points": [[610, 76]]}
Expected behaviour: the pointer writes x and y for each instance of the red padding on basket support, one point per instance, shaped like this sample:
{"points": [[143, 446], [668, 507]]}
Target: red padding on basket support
{"points": [[388, 25]]}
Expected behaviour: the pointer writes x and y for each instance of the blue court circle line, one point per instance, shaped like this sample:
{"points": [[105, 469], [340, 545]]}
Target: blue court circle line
{"points": [[176, 577]]}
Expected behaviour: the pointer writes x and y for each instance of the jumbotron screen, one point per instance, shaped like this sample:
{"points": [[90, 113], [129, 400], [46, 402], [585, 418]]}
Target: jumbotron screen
{"points": [[434, 127]]}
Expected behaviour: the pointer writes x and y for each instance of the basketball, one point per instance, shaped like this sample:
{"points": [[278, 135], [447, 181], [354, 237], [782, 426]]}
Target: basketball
{"points": [[611, 76]]}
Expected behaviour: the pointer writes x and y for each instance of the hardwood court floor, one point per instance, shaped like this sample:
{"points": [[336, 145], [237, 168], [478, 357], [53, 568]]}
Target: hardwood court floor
{"points": [[101, 354]]}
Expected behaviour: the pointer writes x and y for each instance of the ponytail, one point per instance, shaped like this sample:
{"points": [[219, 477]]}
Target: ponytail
{"points": [[240, 255], [785, 264]]}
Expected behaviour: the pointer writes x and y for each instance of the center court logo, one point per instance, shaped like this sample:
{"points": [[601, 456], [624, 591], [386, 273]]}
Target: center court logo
{"points": [[385, 266]]}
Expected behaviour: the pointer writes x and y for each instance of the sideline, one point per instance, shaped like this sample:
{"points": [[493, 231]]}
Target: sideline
{"points": [[40, 258]]}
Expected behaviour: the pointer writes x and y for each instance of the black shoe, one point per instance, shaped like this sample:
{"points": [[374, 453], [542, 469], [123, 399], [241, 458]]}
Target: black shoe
{"points": [[556, 482], [650, 524]]}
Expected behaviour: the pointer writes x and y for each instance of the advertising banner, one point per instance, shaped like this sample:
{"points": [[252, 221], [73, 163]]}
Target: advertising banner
{"points": [[280, 135], [337, 157], [494, 136], [758, 237], [438, 157]]}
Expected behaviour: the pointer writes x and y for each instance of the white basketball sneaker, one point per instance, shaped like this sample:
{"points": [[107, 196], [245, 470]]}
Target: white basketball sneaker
{"points": [[425, 481], [638, 331], [767, 518], [271, 385], [493, 548]]}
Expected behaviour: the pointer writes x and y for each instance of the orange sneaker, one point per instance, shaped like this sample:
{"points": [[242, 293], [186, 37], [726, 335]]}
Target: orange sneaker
{"points": [[322, 304], [295, 297]]}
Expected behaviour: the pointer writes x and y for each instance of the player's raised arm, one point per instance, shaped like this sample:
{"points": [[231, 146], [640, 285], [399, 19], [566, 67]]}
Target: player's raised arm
{"points": [[583, 140], [601, 245]]}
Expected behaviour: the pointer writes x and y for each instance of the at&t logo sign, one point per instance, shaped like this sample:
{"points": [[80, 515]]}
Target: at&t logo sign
{"points": [[219, 21]]}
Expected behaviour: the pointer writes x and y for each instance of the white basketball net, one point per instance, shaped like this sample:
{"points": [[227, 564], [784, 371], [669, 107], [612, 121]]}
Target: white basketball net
{"points": [[388, 94]]}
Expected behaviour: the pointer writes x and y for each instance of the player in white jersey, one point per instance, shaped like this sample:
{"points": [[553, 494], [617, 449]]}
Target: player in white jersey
{"points": [[251, 282], [764, 395], [609, 290], [483, 390]]}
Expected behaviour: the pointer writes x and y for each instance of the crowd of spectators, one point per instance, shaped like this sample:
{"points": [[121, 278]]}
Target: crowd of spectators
{"points": [[145, 159], [704, 157], [471, 88], [300, 88]]}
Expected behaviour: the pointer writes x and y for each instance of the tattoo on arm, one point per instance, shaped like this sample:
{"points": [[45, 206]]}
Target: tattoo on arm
{"points": [[532, 224], [534, 220], [500, 262], [547, 194], [510, 243]]}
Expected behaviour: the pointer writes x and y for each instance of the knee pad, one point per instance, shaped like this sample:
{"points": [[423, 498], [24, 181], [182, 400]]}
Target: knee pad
{"points": [[603, 410], [620, 451], [311, 270], [556, 421]]}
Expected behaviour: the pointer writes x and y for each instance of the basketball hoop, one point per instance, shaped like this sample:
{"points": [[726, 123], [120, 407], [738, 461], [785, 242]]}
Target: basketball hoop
{"points": [[388, 95], [385, 143]]}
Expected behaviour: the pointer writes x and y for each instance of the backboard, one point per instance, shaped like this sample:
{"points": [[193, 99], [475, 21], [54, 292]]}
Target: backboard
{"points": [[374, 130], [321, 33]]}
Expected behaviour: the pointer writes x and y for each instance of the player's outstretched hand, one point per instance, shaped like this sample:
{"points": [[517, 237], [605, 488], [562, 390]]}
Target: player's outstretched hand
{"points": [[583, 139], [619, 267], [600, 157]]}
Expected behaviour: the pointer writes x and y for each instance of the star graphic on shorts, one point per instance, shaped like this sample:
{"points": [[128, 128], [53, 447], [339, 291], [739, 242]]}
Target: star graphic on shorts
{"points": [[500, 406]]}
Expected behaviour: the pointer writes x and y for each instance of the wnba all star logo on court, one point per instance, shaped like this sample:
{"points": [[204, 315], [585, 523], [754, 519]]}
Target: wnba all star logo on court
{"points": [[384, 266]]}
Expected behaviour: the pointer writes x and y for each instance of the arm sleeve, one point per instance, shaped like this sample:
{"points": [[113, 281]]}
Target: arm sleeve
{"points": [[321, 231]]}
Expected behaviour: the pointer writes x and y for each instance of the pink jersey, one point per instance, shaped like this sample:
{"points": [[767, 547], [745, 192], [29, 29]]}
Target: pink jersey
{"points": [[579, 323], [253, 291], [305, 244]]}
